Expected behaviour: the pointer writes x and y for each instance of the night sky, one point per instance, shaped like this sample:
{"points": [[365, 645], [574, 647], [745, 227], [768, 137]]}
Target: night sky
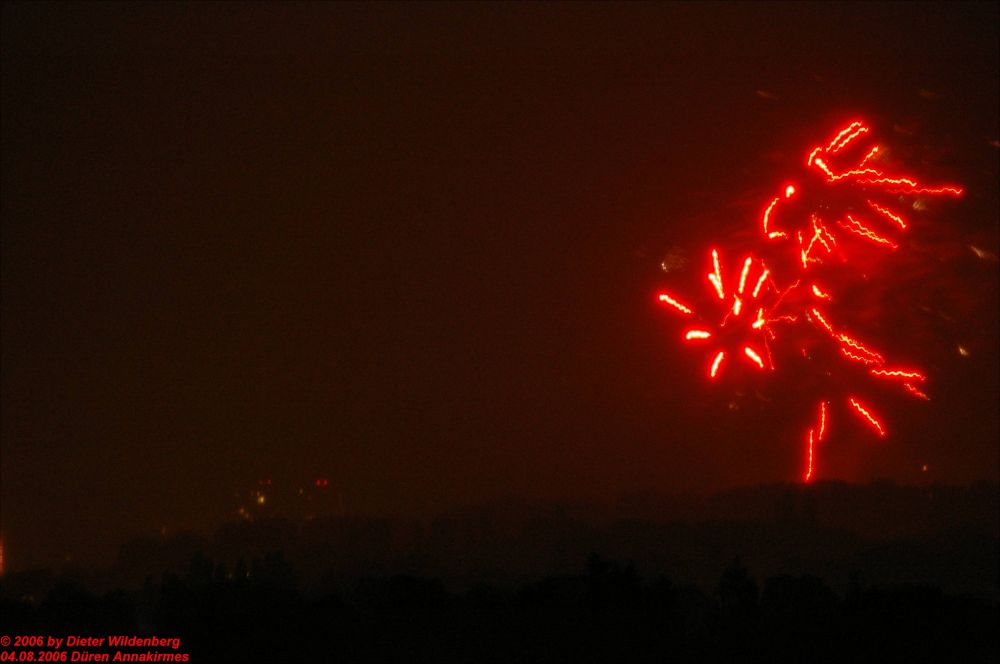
{"points": [[415, 249]]}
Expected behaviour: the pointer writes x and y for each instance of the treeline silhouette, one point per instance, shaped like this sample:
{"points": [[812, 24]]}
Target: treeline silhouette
{"points": [[608, 612], [772, 573]]}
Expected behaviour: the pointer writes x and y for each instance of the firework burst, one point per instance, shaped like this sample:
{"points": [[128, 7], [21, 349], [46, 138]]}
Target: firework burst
{"points": [[845, 202]]}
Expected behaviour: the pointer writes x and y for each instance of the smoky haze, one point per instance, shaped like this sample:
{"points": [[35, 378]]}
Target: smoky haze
{"points": [[413, 249]]}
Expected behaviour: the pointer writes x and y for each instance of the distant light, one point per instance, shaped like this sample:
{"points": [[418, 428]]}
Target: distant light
{"points": [[981, 254], [963, 351], [260, 499]]}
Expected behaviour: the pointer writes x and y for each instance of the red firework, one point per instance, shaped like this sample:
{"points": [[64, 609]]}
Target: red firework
{"points": [[743, 322], [846, 196]]}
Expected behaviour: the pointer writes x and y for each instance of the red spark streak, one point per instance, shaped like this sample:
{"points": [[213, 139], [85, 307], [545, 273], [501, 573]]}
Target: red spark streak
{"points": [[869, 356], [889, 214], [789, 191], [822, 321], [743, 275], [811, 440], [902, 185], [697, 334], [866, 414], [850, 347], [819, 230], [760, 282], [718, 285], [675, 304], [819, 293], [847, 135], [713, 372], [860, 229], [716, 277], [854, 357], [869, 156], [809, 469], [754, 357], [897, 373], [767, 217], [915, 392]]}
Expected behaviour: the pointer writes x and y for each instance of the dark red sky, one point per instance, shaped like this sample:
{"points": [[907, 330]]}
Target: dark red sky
{"points": [[413, 248]]}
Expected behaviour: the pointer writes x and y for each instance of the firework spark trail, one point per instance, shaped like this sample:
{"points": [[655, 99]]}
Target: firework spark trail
{"points": [[850, 186], [675, 304], [888, 214], [866, 415], [754, 356], [760, 282], [912, 389], [740, 299], [863, 176], [814, 436], [898, 373], [809, 468], [714, 371], [856, 227]]}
